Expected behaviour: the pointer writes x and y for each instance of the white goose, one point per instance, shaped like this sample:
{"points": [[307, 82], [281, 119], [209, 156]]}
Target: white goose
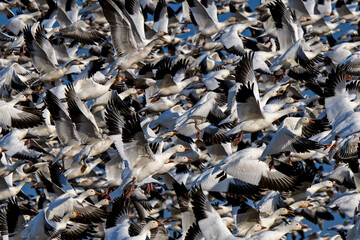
{"points": [[279, 232], [251, 116], [163, 104], [118, 223], [249, 169], [285, 140], [44, 56], [208, 220], [7, 190], [89, 89], [206, 17], [43, 227], [130, 46], [304, 195], [17, 116], [134, 148], [5, 167], [287, 30]]}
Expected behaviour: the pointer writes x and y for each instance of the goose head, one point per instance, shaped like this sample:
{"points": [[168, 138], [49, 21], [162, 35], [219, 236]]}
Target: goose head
{"points": [[73, 62], [71, 215], [327, 184], [181, 148], [301, 204], [153, 224], [283, 211], [182, 98], [182, 159], [305, 120], [103, 202], [293, 109], [297, 226], [90, 192], [257, 227], [22, 98], [289, 100]]}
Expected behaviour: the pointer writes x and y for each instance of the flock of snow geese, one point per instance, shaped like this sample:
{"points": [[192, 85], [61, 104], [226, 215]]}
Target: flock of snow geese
{"points": [[145, 119]]}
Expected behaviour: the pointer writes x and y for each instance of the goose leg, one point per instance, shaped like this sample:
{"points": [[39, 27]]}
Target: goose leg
{"points": [[238, 139], [258, 77], [106, 193], [128, 192], [84, 166], [282, 76], [271, 164], [334, 146], [204, 42], [327, 146], [150, 187], [157, 97], [275, 76], [198, 134]]}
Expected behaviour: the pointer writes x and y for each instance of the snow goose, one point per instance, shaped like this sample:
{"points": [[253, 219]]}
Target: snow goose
{"points": [[16, 77], [279, 232], [6, 168], [250, 114], [209, 221], [323, 26], [171, 164], [129, 136], [81, 170], [286, 141], [13, 142], [346, 202], [350, 64], [219, 181], [67, 202], [287, 30], [353, 233], [340, 103], [276, 104], [205, 16], [163, 104], [65, 128], [183, 197], [41, 227], [295, 124], [161, 20], [305, 12], [344, 11], [19, 116], [86, 127], [199, 113], [129, 46], [231, 40], [17, 23], [82, 32], [247, 216], [7, 190], [304, 194], [249, 169], [44, 56], [118, 222], [88, 88], [171, 79]]}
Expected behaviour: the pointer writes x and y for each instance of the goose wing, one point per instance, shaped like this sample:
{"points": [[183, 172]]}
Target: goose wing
{"points": [[121, 29], [200, 14], [64, 126], [248, 106], [84, 120], [286, 141], [41, 60]]}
